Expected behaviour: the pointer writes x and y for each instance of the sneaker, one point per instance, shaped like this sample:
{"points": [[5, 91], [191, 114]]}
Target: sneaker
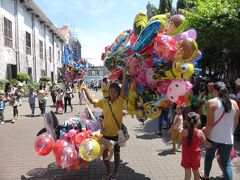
{"points": [[13, 121], [2, 122], [114, 175], [32, 115], [107, 177]]}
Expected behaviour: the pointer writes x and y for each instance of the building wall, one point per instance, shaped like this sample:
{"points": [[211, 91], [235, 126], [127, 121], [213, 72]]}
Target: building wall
{"points": [[23, 21]]}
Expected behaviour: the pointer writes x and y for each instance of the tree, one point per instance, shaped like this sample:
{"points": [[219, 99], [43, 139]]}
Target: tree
{"points": [[217, 23], [165, 6], [23, 76], [154, 11]]}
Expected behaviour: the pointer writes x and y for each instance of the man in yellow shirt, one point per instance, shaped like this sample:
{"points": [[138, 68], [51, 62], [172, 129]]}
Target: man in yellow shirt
{"points": [[111, 106], [105, 88]]}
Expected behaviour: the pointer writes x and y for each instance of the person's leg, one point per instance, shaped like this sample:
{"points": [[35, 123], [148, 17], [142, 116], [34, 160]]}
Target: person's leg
{"points": [[44, 107], [196, 174], [14, 114], [166, 119], [70, 103], [174, 137], [31, 106], [187, 174], [106, 162], [57, 106], [210, 154], [65, 104], [224, 152], [116, 161], [160, 120]]}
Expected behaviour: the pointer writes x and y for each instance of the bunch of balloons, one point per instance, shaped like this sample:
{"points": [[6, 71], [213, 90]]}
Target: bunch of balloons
{"points": [[78, 143], [76, 70], [160, 57]]}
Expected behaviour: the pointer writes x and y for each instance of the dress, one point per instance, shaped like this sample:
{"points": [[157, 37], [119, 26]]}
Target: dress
{"points": [[191, 154]]}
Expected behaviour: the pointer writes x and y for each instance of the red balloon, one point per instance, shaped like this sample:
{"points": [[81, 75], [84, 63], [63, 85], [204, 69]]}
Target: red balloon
{"points": [[59, 146], [44, 144], [80, 137], [69, 157]]}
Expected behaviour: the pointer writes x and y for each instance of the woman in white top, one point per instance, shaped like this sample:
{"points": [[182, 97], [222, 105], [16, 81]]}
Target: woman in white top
{"points": [[225, 111], [68, 96]]}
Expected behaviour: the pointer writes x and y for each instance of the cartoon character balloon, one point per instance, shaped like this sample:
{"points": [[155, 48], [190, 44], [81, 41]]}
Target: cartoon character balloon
{"points": [[175, 24], [44, 144], [89, 149]]}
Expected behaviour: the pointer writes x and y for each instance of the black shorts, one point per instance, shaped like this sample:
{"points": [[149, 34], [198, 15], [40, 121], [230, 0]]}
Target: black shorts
{"points": [[113, 138]]}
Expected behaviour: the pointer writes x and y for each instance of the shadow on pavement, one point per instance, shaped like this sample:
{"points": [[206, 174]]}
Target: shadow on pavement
{"points": [[167, 152], [96, 170]]}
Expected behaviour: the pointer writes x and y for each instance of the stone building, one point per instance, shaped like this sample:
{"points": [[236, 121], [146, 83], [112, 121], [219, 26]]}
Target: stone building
{"points": [[29, 41], [76, 48]]}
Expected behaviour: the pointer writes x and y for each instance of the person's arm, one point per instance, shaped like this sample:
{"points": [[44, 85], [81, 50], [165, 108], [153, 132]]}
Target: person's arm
{"points": [[89, 97], [210, 117], [122, 94], [206, 143], [236, 117]]}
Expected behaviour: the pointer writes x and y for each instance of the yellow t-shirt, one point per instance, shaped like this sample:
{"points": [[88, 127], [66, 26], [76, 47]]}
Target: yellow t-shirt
{"points": [[105, 89], [79, 88], [110, 127]]}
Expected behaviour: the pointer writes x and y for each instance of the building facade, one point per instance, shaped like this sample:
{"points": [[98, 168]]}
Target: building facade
{"points": [[29, 41], [76, 48]]}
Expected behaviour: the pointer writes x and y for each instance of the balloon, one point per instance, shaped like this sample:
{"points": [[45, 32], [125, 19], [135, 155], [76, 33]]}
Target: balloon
{"points": [[44, 144], [177, 89], [187, 50], [89, 149], [80, 137], [133, 38], [175, 24], [146, 35], [187, 34], [92, 125], [59, 146], [72, 133], [120, 42], [140, 23], [151, 110], [68, 157], [132, 65], [131, 98], [162, 18], [164, 46], [115, 74]]}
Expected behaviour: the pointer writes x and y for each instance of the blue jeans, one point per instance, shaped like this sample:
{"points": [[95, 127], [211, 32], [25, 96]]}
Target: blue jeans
{"points": [[224, 151], [163, 116]]}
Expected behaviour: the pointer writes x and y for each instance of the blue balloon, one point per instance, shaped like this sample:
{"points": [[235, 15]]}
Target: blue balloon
{"points": [[146, 35]]}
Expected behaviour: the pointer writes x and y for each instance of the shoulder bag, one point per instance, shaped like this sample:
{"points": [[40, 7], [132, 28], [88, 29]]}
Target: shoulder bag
{"points": [[123, 135]]}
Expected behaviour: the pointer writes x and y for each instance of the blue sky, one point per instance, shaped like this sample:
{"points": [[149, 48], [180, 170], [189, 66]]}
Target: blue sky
{"points": [[96, 23]]}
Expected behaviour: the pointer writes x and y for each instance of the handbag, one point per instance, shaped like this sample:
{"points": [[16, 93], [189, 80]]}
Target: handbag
{"points": [[123, 135]]}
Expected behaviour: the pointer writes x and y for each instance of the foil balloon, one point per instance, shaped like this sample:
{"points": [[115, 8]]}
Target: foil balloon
{"points": [[44, 144], [140, 23], [89, 149], [187, 34], [175, 24], [164, 46], [59, 146], [132, 64], [146, 35], [162, 18], [115, 74], [187, 50]]}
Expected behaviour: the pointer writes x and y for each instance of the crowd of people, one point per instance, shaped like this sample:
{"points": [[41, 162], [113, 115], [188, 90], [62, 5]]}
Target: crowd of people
{"points": [[210, 116]]}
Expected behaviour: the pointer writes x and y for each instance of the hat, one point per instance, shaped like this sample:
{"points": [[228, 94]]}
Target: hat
{"points": [[237, 82], [20, 84]]}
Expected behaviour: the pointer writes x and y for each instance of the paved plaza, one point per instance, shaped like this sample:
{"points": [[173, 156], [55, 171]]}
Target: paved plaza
{"points": [[146, 156]]}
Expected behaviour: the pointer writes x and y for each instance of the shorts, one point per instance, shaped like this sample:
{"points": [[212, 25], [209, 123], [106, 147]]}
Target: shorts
{"points": [[191, 160], [113, 138]]}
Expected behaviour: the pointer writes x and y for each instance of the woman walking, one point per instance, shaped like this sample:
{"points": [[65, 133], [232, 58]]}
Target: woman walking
{"points": [[68, 97], [222, 119]]}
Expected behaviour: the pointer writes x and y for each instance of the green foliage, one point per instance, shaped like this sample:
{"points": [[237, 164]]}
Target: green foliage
{"points": [[3, 83], [45, 79], [218, 26], [23, 76], [165, 6], [154, 11], [14, 82]]}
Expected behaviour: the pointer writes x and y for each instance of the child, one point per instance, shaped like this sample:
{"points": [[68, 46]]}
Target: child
{"points": [[192, 138], [2, 107], [177, 127], [31, 100], [59, 99]]}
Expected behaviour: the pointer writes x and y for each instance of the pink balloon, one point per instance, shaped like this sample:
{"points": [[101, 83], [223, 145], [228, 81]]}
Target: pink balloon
{"points": [[72, 133], [44, 144]]}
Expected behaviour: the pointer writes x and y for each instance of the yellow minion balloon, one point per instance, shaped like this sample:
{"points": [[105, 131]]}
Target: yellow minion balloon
{"points": [[162, 18], [151, 110], [140, 22], [180, 71]]}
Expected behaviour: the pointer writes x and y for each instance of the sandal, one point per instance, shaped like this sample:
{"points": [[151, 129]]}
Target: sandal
{"points": [[107, 176], [114, 175], [201, 174]]}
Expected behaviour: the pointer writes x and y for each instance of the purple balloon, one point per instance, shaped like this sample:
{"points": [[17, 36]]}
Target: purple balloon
{"points": [[187, 34]]}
